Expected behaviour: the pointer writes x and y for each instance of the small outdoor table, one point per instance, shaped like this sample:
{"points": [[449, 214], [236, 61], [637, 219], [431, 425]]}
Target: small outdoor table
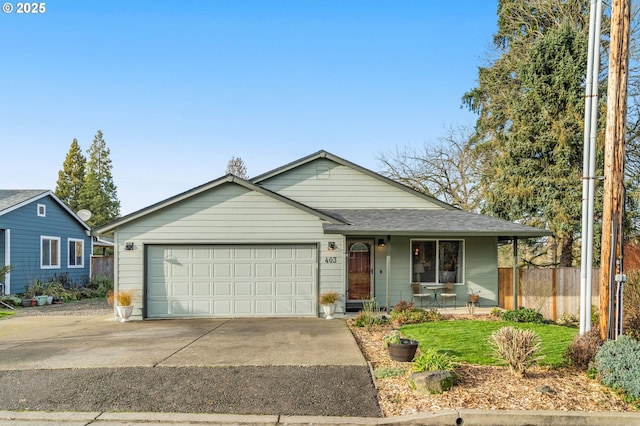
{"points": [[434, 288]]}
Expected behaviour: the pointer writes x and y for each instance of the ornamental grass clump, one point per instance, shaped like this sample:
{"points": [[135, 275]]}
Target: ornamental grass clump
{"points": [[519, 349], [433, 360], [329, 298], [124, 297], [618, 367]]}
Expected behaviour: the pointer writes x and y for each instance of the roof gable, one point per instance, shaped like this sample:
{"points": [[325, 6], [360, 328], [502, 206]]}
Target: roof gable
{"points": [[14, 199], [209, 186], [358, 186]]}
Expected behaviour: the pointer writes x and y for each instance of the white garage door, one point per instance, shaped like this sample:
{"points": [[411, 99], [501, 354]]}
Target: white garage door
{"points": [[231, 281]]}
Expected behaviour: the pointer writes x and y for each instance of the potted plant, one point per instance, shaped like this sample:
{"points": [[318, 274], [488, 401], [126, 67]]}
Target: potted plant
{"points": [[328, 300], [400, 348], [124, 304], [474, 296]]}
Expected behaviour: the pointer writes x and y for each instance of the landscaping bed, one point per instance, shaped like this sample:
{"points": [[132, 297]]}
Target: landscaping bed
{"points": [[485, 387]]}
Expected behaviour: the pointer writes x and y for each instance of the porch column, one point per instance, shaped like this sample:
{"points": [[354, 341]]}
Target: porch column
{"points": [[7, 260], [516, 277], [388, 246]]}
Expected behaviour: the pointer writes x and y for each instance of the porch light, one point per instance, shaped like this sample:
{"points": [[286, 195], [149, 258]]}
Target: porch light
{"points": [[331, 245], [128, 246], [380, 242]]}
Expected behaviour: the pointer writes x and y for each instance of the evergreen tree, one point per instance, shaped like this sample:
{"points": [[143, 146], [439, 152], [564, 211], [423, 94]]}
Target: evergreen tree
{"points": [[236, 167], [71, 177], [99, 193]]}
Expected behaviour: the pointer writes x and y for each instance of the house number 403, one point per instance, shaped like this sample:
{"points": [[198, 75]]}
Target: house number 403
{"points": [[330, 260]]}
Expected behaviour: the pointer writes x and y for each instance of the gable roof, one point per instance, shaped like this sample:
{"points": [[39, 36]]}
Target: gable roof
{"points": [[13, 199], [346, 163], [415, 222], [206, 187]]}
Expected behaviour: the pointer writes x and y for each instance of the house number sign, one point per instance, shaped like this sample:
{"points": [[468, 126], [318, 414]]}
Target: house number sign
{"points": [[332, 259]]}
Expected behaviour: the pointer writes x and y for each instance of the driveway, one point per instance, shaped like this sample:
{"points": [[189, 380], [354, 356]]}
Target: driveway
{"points": [[291, 366]]}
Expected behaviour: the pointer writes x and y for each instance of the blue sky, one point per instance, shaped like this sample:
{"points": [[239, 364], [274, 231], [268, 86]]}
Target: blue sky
{"points": [[180, 87]]}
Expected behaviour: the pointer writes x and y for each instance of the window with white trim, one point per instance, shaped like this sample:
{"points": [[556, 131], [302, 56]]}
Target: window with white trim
{"points": [[76, 253], [42, 210], [49, 252], [437, 261]]}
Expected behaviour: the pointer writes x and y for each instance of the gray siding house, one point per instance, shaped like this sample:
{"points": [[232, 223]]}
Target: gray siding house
{"points": [[269, 245], [41, 238]]}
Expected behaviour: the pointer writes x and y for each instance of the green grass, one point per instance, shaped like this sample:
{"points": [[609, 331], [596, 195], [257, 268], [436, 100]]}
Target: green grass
{"points": [[5, 314], [467, 341]]}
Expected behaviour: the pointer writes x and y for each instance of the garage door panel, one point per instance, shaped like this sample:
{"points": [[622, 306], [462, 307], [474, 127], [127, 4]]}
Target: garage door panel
{"points": [[229, 281]]}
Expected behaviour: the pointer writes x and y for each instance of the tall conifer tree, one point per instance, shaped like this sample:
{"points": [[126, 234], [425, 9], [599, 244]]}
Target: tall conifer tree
{"points": [[71, 177], [99, 192]]}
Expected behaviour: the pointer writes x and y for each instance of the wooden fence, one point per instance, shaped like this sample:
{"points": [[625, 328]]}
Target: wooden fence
{"points": [[553, 291], [102, 265]]}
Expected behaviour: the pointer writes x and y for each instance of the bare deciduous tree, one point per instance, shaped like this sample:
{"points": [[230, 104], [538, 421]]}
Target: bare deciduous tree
{"points": [[448, 170]]}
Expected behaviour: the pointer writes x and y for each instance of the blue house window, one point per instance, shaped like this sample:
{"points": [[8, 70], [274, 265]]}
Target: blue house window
{"points": [[49, 252], [42, 210], [76, 253]]}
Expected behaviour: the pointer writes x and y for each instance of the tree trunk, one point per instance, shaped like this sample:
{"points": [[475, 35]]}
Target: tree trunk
{"points": [[566, 251]]}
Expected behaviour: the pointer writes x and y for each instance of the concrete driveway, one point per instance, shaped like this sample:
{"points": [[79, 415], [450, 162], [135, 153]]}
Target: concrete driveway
{"points": [[55, 342]]}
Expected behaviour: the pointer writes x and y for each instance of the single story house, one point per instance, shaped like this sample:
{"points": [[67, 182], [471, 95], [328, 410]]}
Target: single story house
{"points": [[268, 246], [41, 238]]}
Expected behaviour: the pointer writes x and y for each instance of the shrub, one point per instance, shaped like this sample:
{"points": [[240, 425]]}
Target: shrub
{"points": [[618, 367], [524, 315], [632, 295], [368, 316], [519, 349], [632, 326], [432, 360], [401, 306], [101, 284], [388, 372], [415, 315], [582, 351]]}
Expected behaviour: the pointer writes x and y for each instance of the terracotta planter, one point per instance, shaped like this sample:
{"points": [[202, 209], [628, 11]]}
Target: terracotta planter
{"points": [[403, 351]]}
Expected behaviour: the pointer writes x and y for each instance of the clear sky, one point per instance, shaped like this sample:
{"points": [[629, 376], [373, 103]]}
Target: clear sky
{"points": [[179, 87]]}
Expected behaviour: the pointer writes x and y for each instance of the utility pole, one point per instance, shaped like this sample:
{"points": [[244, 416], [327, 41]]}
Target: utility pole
{"points": [[614, 153]]}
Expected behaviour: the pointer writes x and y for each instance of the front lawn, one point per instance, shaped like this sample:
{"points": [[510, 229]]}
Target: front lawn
{"points": [[467, 340]]}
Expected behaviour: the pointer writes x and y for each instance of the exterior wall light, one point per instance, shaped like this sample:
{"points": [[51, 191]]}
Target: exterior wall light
{"points": [[331, 245], [128, 246], [380, 242]]}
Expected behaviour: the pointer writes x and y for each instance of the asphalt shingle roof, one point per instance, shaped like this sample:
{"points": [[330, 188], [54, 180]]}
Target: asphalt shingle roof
{"points": [[451, 222], [13, 197]]}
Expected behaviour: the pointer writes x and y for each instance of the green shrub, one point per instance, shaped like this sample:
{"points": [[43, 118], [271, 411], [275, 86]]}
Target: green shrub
{"points": [[432, 360], [524, 315], [618, 367], [582, 351], [388, 372], [368, 316], [101, 284], [518, 348], [415, 315], [632, 327]]}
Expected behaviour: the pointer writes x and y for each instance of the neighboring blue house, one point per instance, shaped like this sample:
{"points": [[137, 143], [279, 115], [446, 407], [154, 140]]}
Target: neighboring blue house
{"points": [[41, 238]]}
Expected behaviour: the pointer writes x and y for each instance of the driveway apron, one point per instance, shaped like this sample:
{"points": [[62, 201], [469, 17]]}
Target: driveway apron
{"points": [[291, 366]]}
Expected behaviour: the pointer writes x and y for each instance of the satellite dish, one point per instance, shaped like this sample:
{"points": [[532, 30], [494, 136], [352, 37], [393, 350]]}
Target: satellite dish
{"points": [[84, 214]]}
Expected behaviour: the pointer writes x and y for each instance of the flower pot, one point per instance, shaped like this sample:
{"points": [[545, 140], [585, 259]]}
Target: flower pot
{"points": [[41, 300], [124, 312], [329, 310], [49, 300], [403, 351], [26, 302]]}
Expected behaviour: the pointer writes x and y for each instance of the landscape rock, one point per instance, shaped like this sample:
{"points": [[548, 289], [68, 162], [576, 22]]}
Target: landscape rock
{"points": [[433, 381]]}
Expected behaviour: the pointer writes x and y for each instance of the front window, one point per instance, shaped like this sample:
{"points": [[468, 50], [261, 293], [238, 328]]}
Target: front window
{"points": [[76, 253], [49, 252], [437, 261]]}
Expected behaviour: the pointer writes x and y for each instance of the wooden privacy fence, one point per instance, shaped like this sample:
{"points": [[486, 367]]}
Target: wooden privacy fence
{"points": [[553, 291], [102, 265]]}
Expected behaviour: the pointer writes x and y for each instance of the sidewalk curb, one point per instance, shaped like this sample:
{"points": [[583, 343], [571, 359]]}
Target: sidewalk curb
{"points": [[444, 417]]}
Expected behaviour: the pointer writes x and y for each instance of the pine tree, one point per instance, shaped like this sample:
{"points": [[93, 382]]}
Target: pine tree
{"points": [[71, 177], [99, 193], [236, 167]]}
